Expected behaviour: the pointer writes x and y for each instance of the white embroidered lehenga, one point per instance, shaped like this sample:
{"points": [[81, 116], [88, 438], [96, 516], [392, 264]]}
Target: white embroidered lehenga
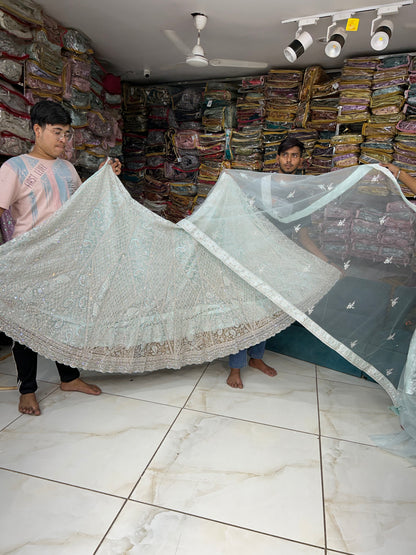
{"points": [[107, 285]]}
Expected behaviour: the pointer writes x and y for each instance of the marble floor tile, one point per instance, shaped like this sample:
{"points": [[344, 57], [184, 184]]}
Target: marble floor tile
{"points": [[170, 387], [355, 413], [289, 364], [46, 518], [335, 376], [258, 477], [370, 500], [287, 400], [99, 442], [144, 530]]}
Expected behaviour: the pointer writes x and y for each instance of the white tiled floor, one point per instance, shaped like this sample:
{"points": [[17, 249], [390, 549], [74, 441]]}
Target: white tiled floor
{"points": [[176, 462]]}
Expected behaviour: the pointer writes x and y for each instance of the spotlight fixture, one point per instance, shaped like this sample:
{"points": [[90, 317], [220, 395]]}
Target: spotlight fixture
{"points": [[382, 34], [298, 46], [335, 38], [381, 29]]}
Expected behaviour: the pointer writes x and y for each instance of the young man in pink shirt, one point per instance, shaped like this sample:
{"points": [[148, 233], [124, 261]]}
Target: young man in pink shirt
{"points": [[34, 186]]}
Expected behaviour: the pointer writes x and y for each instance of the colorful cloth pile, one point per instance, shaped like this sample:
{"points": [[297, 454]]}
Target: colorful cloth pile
{"points": [[355, 90], [15, 37], [247, 140], [134, 139], [346, 149], [160, 117], [389, 83], [282, 90]]}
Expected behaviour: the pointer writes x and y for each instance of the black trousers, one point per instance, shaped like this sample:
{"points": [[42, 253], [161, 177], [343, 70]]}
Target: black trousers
{"points": [[27, 363]]}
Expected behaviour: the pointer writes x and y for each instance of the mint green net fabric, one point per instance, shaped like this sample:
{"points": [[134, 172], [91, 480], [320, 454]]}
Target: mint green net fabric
{"points": [[107, 285]]}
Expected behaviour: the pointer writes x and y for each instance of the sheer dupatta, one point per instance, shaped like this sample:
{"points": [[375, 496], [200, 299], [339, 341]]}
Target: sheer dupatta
{"points": [[106, 285]]}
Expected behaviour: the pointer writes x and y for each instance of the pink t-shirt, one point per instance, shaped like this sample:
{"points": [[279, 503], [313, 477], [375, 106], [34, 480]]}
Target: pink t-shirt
{"points": [[33, 189]]}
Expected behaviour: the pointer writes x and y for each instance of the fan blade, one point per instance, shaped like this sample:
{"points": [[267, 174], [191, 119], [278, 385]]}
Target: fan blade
{"points": [[217, 62], [178, 42]]}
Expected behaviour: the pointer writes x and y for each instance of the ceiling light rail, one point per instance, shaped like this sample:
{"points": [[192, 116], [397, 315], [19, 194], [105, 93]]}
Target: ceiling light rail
{"points": [[381, 29]]}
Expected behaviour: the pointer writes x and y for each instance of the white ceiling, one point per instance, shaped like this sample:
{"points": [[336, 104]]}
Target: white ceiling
{"points": [[128, 34]]}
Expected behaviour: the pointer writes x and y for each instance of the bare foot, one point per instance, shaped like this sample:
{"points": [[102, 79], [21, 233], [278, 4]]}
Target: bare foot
{"points": [[28, 404], [262, 366], [81, 386], [234, 379]]}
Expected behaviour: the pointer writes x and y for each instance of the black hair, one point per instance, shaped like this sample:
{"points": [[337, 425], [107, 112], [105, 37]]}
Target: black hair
{"points": [[48, 112], [290, 142]]}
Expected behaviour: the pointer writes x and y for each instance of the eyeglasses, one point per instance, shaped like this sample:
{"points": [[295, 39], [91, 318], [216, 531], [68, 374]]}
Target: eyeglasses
{"points": [[67, 135]]}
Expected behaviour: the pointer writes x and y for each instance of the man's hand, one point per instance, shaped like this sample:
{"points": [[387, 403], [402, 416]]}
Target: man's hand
{"points": [[115, 164]]}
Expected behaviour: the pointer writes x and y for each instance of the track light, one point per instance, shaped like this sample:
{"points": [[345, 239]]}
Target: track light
{"points": [[381, 29], [335, 42], [298, 46], [382, 34]]}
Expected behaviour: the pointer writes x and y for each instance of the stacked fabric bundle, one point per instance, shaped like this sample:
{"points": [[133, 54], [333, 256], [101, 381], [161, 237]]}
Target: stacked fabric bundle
{"points": [[247, 149], [134, 137], [346, 149], [250, 103], [397, 238], [405, 150], [355, 91], [219, 109], [383, 234], [182, 163], [15, 133], [247, 141], [219, 118], [334, 224], [43, 74], [159, 111], [410, 94], [181, 170], [312, 76], [405, 140], [281, 90], [321, 159], [187, 107], [15, 37], [211, 157], [58, 66], [323, 114], [98, 100], [387, 100]]}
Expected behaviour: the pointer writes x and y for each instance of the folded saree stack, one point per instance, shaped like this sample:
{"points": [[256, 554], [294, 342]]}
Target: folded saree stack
{"points": [[355, 90], [282, 89], [405, 140], [160, 118], [405, 150], [247, 140], [381, 232], [321, 158], [15, 37], [346, 149], [324, 105], [182, 161], [387, 99], [181, 170], [218, 120], [134, 139]]}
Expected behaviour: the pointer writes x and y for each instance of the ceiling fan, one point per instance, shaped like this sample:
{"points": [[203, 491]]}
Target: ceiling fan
{"points": [[196, 56]]}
